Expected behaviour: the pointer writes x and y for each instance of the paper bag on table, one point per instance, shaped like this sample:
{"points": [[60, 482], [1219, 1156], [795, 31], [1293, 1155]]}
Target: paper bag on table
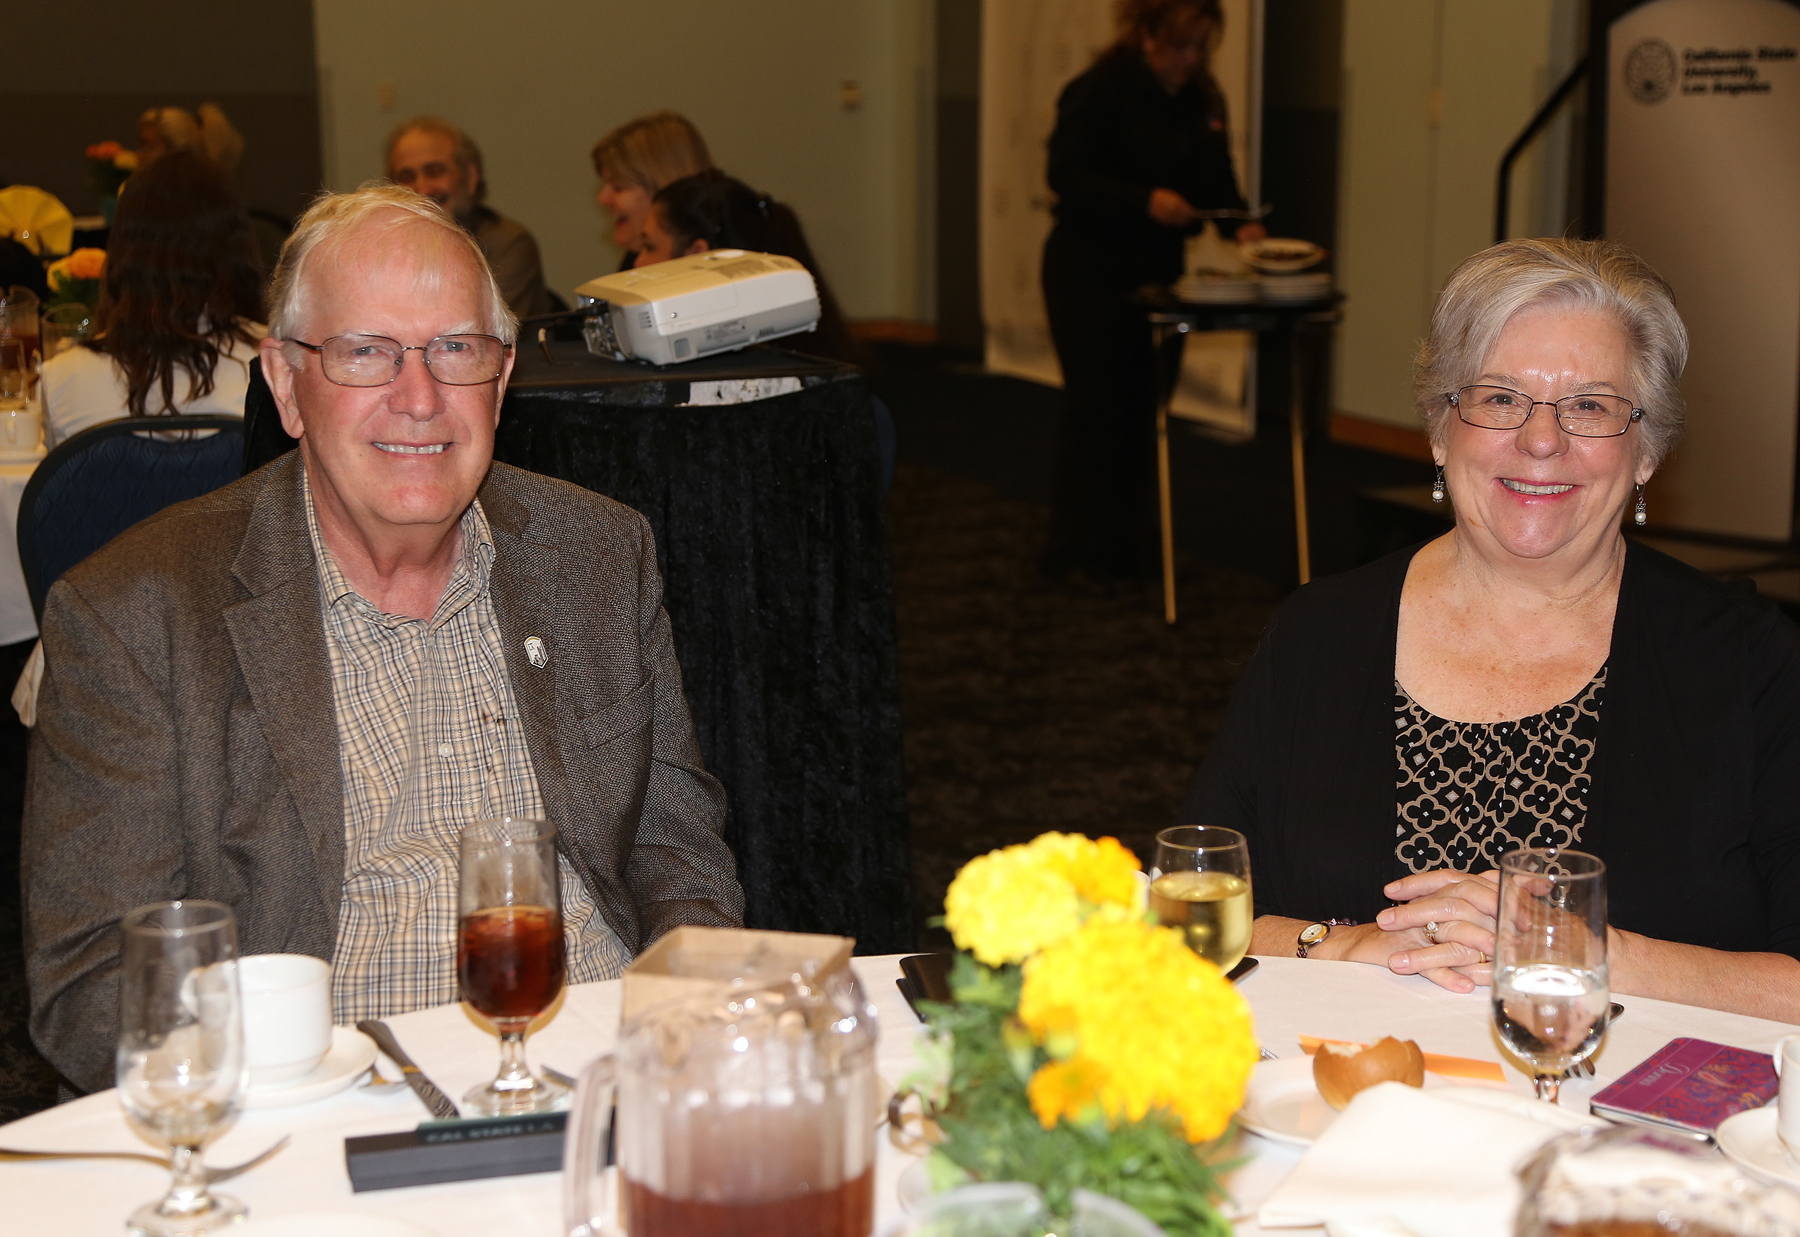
{"points": [[691, 959]]}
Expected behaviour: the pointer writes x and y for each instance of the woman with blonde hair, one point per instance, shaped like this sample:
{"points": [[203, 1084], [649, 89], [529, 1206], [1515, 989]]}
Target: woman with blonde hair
{"points": [[637, 159], [164, 129]]}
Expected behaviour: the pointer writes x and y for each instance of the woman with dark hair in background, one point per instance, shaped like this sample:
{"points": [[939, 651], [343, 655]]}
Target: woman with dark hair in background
{"points": [[1139, 150], [637, 159], [711, 210], [180, 309]]}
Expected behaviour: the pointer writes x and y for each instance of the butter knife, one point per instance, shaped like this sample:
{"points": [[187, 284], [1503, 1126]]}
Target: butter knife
{"points": [[435, 1100]]}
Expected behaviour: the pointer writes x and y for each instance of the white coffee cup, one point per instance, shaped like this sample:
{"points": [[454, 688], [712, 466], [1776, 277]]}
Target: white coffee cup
{"points": [[1787, 1123], [20, 429], [287, 1015]]}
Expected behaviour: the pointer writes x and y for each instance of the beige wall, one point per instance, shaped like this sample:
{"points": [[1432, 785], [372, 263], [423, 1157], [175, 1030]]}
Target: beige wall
{"points": [[1434, 92], [536, 83]]}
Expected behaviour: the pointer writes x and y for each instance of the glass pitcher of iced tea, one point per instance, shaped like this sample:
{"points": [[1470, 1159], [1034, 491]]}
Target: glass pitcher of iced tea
{"points": [[749, 1108]]}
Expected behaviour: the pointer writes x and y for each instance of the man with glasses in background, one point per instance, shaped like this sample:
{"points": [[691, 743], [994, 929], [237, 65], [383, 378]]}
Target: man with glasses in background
{"points": [[292, 694], [429, 155]]}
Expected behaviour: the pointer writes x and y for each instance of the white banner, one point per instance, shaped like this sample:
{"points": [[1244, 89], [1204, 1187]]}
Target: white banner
{"points": [[1703, 179]]}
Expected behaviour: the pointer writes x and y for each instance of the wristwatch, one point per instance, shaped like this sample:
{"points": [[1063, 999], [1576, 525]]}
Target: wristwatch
{"points": [[1314, 933]]}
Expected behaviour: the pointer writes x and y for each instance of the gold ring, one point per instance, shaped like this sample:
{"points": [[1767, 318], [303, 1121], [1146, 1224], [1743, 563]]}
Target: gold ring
{"points": [[1431, 931]]}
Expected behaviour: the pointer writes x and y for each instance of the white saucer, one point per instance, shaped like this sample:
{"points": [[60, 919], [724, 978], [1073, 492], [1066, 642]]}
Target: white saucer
{"points": [[351, 1053], [22, 457], [336, 1223], [1282, 1104], [1749, 1139]]}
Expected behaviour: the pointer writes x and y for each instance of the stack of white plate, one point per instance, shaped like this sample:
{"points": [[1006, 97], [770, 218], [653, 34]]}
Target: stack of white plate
{"points": [[1310, 287], [1216, 290]]}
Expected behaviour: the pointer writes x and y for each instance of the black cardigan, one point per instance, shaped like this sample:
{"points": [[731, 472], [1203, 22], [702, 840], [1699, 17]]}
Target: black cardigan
{"points": [[1695, 805]]}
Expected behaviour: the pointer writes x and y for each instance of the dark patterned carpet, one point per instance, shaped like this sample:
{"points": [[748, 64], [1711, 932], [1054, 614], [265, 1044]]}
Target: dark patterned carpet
{"points": [[1029, 706]]}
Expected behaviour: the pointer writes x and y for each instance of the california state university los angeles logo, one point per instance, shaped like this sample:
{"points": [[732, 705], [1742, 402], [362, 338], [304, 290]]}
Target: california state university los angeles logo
{"points": [[1650, 70]]}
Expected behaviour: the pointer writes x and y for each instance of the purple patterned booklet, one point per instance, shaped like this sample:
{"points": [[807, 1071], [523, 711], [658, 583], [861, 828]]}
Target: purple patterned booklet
{"points": [[1690, 1086]]}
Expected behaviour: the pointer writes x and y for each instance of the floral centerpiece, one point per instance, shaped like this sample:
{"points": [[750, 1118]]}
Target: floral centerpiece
{"points": [[109, 164], [76, 278], [1087, 1047]]}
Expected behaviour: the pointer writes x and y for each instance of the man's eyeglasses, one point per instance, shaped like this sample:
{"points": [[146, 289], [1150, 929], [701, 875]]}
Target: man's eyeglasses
{"points": [[1585, 416], [375, 360]]}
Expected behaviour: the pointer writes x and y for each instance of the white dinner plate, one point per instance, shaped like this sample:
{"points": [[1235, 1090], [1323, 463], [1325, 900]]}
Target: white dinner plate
{"points": [[330, 1224], [351, 1053], [1282, 1104], [1749, 1139]]}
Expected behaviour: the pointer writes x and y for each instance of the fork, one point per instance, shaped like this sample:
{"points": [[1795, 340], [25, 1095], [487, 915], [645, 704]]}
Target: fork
{"points": [[1584, 1068], [212, 1175]]}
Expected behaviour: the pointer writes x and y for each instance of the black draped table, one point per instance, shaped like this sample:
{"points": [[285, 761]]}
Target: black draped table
{"points": [[772, 542]]}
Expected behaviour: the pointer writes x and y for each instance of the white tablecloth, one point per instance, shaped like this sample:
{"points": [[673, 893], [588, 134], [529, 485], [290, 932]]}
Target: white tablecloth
{"points": [[16, 620], [1334, 999]]}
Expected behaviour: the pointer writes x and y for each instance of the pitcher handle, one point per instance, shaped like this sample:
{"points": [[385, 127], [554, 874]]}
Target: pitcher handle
{"points": [[587, 1150]]}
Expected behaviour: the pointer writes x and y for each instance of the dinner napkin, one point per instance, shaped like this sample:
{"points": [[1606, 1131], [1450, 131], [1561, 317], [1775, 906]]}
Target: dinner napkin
{"points": [[1404, 1162]]}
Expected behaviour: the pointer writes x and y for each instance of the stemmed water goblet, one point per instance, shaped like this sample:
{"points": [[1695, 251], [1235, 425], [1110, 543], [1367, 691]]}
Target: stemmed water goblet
{"points": [[181, 1068], [1200, 883], [509, 954], [1551, 989]]}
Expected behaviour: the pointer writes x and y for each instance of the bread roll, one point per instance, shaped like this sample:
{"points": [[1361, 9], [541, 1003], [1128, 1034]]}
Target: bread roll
{"points": [[1341, 1070]]}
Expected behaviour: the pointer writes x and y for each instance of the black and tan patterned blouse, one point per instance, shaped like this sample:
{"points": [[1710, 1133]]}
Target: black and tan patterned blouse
{"points": [[1470, 792]]}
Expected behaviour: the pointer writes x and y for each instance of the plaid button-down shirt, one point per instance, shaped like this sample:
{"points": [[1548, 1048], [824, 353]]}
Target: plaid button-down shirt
{"points": [[428, 741]]}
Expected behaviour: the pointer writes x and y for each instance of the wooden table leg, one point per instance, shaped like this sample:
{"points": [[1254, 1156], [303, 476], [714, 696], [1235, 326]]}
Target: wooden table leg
{"points": [[1297, 432]]}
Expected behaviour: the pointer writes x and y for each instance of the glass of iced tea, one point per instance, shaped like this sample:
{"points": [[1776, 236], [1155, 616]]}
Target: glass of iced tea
{"points": [[509, 951], [1200, 883]]}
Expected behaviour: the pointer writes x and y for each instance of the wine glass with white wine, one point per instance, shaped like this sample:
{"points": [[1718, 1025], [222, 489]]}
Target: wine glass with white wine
{"points": [[181, 1067], [1200, 883], [1551, 990]]}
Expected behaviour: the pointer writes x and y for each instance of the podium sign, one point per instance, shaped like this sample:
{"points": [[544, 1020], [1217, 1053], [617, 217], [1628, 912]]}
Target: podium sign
{"points": [[1703, 179]]}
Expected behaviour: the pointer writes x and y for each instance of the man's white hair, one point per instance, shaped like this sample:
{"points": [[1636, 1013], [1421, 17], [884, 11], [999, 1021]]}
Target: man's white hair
{"points": [[377, 206]]}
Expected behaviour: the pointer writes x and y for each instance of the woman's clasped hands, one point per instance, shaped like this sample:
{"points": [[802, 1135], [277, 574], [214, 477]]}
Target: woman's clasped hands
{"points": [[1443, 928]]}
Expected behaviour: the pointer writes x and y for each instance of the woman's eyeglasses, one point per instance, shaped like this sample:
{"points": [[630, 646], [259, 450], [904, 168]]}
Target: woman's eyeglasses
{"points": [[1585, 416]]}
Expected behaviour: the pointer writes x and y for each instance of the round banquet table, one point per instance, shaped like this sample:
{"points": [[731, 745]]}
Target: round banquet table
{"points": [[1290, 997]]}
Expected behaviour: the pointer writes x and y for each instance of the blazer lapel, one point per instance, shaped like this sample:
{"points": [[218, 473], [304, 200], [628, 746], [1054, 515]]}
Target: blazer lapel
{"points": [[523, 584], [278, 633]]}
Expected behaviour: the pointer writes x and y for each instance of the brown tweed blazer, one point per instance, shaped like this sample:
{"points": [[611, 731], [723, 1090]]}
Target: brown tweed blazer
{"points": [[186, 741]]}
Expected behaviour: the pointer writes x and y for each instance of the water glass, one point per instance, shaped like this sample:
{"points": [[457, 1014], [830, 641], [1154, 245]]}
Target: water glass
{"points": [[510, 957], [64, 326], [181, 1065], [1200, 883], [1551, 990], [15, 374]]}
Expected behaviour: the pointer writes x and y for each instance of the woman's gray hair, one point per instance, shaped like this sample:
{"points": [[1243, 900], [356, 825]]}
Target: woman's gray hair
{"points": [[1603, 277], [333, 218]]}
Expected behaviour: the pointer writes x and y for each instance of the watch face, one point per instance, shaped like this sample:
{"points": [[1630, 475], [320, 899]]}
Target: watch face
{"points": [[1313, 933]]}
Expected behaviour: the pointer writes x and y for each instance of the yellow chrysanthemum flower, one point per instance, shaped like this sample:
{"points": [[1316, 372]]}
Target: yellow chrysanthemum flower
{"points": [[1158, 1027], [1102, 871], [1008, 904], [1064, 1089]]}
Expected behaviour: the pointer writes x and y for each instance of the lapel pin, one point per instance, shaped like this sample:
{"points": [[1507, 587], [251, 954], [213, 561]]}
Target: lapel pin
{"points": [[536, 652]]}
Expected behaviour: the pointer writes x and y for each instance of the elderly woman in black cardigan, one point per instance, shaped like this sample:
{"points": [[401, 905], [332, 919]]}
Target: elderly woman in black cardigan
{"points": [[1530, 678]]}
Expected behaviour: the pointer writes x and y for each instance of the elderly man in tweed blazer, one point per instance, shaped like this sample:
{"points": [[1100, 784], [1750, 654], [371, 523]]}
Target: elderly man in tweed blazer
{"points": [[290, 695]]}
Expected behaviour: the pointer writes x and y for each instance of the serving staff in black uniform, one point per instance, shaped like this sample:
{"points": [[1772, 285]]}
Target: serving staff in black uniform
{"points": [[1140, 148]]}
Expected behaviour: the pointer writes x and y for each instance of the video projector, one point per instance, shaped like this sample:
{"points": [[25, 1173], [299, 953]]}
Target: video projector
{"points": [[692, 307]]}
